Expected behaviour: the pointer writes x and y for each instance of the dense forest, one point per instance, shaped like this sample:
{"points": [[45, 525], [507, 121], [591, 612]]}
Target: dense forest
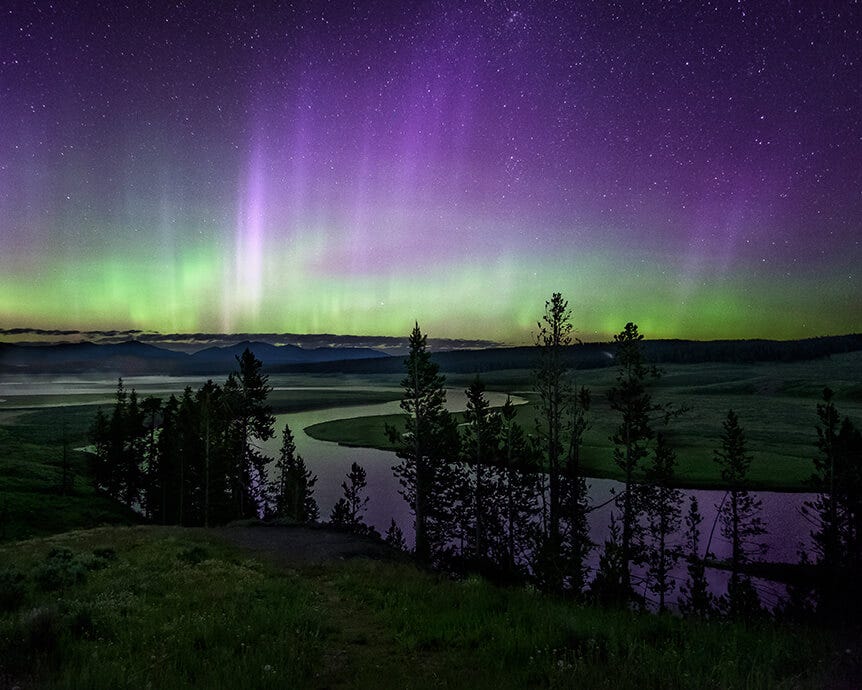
{"points": [[491, 497]]}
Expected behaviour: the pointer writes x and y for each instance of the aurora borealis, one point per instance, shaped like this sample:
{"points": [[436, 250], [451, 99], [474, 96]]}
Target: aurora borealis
{"points": [[338, 167]]}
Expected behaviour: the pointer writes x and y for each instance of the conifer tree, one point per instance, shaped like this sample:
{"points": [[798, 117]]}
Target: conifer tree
{"points": [[741, 523], [520, 488], [555, 398], [166, 484], [99, 435], [634, 404], [349, 510], [695, 599], [116, 444], [575, 498], [427, 448], [395, 537], [252, 421], [213, 410], [663, 515], [608, 586], [189, 461], [479, 449], [837, 513], [294, 489], [150, 409], [133, 452]]}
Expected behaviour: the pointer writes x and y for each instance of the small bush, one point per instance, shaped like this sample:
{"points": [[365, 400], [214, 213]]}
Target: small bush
{"points": [[105, 553], [60, 570], [193, 555], [39, 632], [11, 589], [81, 623]]}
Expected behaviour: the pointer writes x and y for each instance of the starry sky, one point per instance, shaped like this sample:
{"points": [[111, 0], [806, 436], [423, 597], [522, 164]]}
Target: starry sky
{"points": [[348, 167]]}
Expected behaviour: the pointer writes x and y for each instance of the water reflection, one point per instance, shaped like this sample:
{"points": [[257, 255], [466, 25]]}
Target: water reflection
{"points": [[788, 529]]}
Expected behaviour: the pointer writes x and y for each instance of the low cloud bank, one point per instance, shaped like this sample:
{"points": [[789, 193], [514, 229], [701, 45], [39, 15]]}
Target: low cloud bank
{"points": [[192, 342]]}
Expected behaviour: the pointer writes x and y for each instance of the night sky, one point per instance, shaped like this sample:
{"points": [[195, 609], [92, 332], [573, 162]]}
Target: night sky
{"points": [[338, 167]]}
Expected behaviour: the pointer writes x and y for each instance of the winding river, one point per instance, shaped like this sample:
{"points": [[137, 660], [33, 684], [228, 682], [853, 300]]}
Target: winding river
{"points": [[788, 528]]}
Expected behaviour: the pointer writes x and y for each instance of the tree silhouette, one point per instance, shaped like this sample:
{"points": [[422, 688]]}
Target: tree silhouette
{"points": [[741, 523], [555, 399], [575, 498], [426, 447], [349, 510], [837, 513], [395, 537], [150, 408], [634, 404], [479, 449], [520, 487], [696, 598], [294, 483], [663, 516], [252, 420], [608, 586]]}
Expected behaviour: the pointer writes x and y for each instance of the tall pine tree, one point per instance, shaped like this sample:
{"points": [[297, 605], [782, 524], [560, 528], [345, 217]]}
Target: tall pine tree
{"points": [[695, 599], [293, 484], [252, 422], [427, 448], [663, 521], [629, 397], [741, 523]]}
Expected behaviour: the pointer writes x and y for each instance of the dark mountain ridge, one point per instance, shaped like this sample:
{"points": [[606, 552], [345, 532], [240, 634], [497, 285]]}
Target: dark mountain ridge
{"points": [[136, 358]]}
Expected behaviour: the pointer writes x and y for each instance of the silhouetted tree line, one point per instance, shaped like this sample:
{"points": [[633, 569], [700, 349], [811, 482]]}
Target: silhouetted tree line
{"points": [[512, 503], [194, 459]]}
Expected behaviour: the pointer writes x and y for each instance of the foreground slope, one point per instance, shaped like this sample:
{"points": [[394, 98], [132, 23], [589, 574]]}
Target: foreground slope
{"points": [[173, 608]]}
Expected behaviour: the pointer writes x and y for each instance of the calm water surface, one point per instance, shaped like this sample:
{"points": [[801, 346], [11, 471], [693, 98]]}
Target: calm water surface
{"points": [[788, 529]]}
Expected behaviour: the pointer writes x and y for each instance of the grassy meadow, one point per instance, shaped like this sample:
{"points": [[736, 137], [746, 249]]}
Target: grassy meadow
{"points": [[776, 404], [31, 460], [173, 608]]}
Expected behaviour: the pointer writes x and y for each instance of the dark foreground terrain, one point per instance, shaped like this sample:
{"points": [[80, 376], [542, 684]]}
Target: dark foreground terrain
{"points": [[291, 607]]}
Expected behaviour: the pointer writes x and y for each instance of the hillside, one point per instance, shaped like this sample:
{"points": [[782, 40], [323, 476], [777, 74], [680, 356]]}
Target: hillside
{"points": [[174, 608]]}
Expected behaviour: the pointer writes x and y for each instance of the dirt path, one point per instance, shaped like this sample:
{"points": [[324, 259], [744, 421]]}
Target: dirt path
{"points": [[293, 546], [359, 649]]}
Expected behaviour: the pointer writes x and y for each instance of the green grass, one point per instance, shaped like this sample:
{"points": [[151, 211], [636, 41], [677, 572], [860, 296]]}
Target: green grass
{"points": [[776, 404], [154, 607], [31, 456], [305, 400], [474, 634], [170, 608]]}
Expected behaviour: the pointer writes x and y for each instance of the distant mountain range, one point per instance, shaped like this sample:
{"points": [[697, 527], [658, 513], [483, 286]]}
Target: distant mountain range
{"points": [[136, 358]]}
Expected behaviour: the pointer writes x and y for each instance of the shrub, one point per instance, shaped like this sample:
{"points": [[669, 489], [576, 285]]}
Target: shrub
{"points": [[60, 570], [193, 555], [11, 589]]}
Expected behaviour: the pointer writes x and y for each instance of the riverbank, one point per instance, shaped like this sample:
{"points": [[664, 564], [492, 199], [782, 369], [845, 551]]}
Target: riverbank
{"points": [[173, 607], [776, 404]]}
